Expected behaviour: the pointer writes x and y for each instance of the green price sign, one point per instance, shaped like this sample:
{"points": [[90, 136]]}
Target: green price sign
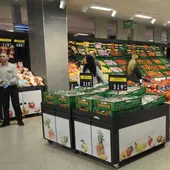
{"points": [[128, 24]]}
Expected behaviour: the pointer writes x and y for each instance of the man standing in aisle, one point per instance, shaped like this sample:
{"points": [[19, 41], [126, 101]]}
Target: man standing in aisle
{"points": [[8, 85]]}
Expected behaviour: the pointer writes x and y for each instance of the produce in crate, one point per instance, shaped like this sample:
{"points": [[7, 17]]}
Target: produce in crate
{"points": [[73, 72], [105, 69], [116, 69], [121, 61], [102, 63], [110, 62], [157, 61], [26, 77]]}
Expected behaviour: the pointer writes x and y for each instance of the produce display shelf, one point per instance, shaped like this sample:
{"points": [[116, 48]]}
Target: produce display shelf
{"points": [[107, 138], [30, 99]]}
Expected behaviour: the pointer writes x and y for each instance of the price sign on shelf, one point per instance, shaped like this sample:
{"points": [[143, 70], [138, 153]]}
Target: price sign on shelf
{"points": [[117, 82], [5, 42], [86, 80], [19, 43]]}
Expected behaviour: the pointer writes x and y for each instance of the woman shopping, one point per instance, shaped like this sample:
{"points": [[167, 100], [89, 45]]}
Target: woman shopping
{"points": [[133, 72], [90, 67]]}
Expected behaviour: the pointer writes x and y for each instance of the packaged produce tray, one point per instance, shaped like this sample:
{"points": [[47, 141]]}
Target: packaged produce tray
{"points": [[152, 100], [109, 106], [134, 91]]}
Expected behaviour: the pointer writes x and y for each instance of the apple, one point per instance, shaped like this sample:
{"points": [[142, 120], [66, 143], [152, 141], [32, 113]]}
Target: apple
{"points": [[31, 105]]}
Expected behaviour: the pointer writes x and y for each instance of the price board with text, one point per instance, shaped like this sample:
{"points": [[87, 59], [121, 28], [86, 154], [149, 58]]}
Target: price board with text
{"points": [[5, 42], [86, 80], [117, 82], [19, 43]]}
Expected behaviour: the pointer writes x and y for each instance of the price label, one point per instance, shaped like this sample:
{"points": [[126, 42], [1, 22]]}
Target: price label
{"points": [[86, 80], [117, 82], [5, 42], [19, 43]]}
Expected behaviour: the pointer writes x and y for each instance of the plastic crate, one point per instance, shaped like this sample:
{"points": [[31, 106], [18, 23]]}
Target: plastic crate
{"points": [[153, 103]]}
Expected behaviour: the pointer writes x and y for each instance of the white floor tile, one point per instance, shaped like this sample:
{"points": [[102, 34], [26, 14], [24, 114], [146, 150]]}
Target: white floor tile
{"points": [[23, 148]]}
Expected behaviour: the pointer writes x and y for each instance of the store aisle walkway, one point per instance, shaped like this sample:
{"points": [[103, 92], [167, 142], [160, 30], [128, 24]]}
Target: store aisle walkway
{"points": [[23, 148]]}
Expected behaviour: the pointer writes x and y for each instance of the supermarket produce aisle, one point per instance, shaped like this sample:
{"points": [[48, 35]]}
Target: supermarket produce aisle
{"points": [[24, 148]]}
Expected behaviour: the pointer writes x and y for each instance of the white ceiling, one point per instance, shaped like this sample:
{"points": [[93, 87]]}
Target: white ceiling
{"points": [[158, 9], [84, 22]]}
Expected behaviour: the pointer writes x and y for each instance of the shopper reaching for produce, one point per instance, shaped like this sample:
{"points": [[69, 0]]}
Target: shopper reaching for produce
{"points": [[90, 67], [93, 54], [133, 72]]}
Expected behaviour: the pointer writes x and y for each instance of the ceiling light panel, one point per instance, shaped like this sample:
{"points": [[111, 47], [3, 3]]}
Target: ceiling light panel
{"points": [[142, 16], [101, 8]]}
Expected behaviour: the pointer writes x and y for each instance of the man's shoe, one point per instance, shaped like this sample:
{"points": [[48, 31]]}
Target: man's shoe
{"points": [[4, 125], [21, 123]]}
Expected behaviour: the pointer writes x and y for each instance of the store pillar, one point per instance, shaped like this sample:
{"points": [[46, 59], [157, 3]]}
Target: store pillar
{"points": [[48, 42], [139, 32], [157, 34], [168, 35], [121, 33], [16, 14], [101, 26]]}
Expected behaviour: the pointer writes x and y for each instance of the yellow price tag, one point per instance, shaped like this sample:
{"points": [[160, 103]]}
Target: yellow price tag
{"points": [[19, 41], [5, 40], [118, 79], [86, 77]]}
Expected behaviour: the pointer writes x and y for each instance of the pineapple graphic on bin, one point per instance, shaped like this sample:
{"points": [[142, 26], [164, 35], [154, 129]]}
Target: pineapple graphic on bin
{"points": [[100, 146]]}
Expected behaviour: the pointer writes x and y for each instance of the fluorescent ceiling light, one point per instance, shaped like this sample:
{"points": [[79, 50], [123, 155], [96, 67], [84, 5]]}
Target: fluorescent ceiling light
{"points": [[101, 8], [113, 13], [143, 16], [82, 34], [85, 8], [11, 30], [151, 40], [168, 22], [62, 4], [153, 21]]}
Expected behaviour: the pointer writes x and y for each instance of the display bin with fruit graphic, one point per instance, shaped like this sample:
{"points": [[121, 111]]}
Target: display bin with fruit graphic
{"points": [[30, 99], [59, 120]]}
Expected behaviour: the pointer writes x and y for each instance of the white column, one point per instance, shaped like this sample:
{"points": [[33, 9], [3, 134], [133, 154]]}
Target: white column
{"points": [[49, 42], [139, 32], [168, 35], [157, 34], [121, 33], [100, 27]]}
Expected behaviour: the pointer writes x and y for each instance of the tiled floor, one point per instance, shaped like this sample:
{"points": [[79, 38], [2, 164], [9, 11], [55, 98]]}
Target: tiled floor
{"points": [[23, 148]]}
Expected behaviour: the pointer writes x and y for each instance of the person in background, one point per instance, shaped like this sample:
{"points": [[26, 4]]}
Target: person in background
{"points": [[133, 72], [93, 54], [90, 67], [8, 86]]}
